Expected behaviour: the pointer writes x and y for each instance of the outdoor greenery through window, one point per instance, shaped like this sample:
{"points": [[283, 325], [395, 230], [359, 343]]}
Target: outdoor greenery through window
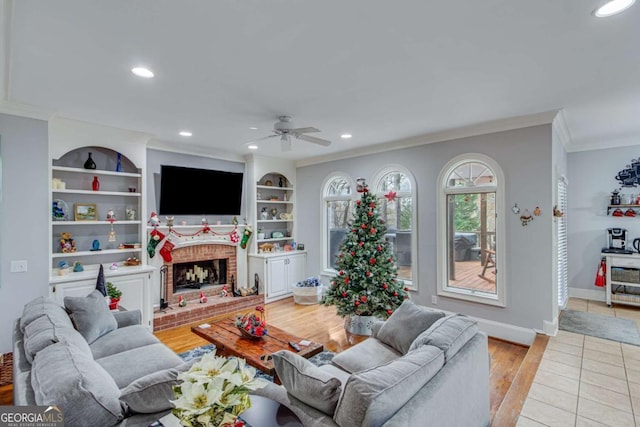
{"points": [[469, 239], [338, 203], [395, 195]]}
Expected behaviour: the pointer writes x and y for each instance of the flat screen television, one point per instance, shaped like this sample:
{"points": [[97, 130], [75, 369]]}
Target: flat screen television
{"points": [[190, 191]]}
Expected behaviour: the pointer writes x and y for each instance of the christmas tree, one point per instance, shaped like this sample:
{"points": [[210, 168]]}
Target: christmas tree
{"points": [[366, 283]]}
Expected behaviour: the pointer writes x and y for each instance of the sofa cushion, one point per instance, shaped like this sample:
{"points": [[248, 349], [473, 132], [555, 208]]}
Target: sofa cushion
{"points": [[128, 366], [449, 334], [151, 393], [42, 332], [307, 382], [122, 339], [367, 354], [65, 376], [405, 324], [371, 397], [41, 306], [91, 315]]}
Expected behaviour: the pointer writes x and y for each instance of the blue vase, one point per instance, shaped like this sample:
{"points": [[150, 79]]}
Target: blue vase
{"points": [[119, 163]]}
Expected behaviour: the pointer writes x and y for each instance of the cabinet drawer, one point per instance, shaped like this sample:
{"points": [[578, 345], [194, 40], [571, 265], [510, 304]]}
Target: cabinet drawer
{"points": [[630, 262], [619, 274]]}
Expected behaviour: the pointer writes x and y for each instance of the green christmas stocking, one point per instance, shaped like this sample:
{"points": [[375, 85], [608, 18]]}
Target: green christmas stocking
{"points": [[155, 237], [245, 238]]}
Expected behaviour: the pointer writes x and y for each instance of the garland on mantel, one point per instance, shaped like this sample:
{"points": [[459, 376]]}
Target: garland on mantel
{"points": [[205, 233]]}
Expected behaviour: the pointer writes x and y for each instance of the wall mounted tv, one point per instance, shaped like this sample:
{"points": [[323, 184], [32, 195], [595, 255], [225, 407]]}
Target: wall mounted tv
{"points": [[189, 191]]}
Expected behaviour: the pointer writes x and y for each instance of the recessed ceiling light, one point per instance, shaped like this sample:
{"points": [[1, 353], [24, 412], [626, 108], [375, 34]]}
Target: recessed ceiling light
{"points": [[142, 72], [252, 147], [185, 133], [612, 8], [253, 128], [346, 136]]}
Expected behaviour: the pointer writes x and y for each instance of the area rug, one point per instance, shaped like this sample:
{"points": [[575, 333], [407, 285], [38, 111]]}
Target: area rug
{"points": [[600, 325], [322, 358]]}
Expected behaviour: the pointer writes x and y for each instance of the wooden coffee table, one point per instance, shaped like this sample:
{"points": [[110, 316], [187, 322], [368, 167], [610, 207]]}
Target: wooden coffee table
{"points": [[230, 342]]}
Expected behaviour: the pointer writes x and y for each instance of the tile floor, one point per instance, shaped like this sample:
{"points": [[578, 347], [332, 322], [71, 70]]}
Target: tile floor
{"points": [[586, 381]]}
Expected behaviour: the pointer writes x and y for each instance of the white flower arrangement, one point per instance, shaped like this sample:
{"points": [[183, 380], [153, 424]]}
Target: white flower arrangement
{"points": [[215, 391]]}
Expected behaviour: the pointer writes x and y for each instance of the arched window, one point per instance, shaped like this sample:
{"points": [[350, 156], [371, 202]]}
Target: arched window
{"points": [[471, 230], [395, 188], [337, 195]]}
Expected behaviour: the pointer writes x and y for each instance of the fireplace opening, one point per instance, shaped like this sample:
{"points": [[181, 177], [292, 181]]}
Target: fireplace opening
{"points": [[199, 274]]}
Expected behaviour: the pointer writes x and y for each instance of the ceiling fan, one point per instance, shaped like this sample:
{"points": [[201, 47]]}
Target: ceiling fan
{"points": [[284, 128]]}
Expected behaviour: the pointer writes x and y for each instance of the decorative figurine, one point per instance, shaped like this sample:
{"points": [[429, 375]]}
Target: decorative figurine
{"points": [[224, 292], [263, 214], [169, 220], [119, 163], [274, 212], [203, 298], [182, 302], [111, 216], [67, 245], [361, 185], [95, 246], [280, 182], [131, 214], [537, 211], [77, 267], [114, 266], [154, 220]]}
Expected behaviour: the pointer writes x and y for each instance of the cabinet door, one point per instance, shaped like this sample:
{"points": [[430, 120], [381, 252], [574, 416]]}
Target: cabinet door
{"points": [[135, 295], [297, 270], [276, 276], [72, 289]]}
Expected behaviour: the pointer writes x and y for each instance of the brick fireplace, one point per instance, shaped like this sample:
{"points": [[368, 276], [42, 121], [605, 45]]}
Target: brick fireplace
{"points": [[200, 256], [219, 259]]}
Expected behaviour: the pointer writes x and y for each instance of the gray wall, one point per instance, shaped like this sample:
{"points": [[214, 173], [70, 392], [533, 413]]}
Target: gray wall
{"points": [[525, 156], [591, 181], [24, 217], [157, 158]]}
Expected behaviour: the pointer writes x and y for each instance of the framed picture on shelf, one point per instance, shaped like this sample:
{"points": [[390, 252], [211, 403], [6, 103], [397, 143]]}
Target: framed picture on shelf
{"points": [[85, 212]]}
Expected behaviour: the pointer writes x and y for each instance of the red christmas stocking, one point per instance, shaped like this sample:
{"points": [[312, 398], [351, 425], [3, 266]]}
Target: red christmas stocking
{"points": [[166, 251], [155, 237]]}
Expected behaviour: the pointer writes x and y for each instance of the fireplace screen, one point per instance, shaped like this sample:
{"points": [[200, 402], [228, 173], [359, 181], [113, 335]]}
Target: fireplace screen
{"points": [[195, 275]]}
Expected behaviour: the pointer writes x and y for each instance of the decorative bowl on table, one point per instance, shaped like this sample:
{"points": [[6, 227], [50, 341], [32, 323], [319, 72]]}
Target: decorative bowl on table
{"points": [[252, 325]]}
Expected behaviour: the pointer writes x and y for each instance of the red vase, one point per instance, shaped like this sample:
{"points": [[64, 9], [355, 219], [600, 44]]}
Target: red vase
{"points": [[95, 184]]}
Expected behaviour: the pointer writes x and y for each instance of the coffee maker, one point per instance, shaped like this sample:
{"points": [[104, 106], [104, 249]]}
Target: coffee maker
{"points": [[617, 241]]}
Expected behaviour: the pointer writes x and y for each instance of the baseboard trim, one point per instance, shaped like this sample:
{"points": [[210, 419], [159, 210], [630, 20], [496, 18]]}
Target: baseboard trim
{"points": [[588, 294], [550, 328], [506, 332]]}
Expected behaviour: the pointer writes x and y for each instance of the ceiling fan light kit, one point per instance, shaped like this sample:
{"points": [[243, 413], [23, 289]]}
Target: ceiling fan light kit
{"points": [[284, 128]]}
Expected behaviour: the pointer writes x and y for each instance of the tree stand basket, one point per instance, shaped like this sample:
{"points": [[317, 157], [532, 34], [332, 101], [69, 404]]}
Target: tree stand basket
{"points": [[307, 295]]}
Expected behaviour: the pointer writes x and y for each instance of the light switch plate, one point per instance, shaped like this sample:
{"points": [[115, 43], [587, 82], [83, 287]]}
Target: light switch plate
{"points": [[19, 266]]}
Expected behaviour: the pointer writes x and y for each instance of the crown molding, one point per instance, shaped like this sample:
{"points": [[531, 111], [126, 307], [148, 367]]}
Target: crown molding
{"points": [[590, 145], [26, 110], [195, 150], [494, 126]]}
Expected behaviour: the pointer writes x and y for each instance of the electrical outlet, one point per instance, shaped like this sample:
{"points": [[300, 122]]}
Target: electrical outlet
{"points": [[434, 299], [19, 266]]}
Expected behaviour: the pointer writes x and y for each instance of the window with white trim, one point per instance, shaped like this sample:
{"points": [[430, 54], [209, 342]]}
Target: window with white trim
{"points": [[471, 230], [395, 188], [338, 202]]}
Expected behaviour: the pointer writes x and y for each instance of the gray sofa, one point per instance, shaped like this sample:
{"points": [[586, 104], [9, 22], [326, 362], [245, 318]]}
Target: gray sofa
{"points": [[102, 369], [420, 368]]}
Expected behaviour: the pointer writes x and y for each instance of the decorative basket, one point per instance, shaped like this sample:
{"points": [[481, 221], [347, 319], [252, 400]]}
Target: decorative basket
{"points": [[252, 325]]}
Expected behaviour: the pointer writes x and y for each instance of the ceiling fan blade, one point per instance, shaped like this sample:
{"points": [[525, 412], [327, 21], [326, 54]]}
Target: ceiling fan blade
{"points": [[310, 129], [261, 139], [314, 140]]}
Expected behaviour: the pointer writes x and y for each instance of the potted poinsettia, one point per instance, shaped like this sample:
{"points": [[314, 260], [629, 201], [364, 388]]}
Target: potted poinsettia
{"points": [[114, 295]]}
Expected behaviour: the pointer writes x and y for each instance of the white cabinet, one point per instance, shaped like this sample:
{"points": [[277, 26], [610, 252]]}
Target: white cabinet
{"points": [[278, 273], [134, 284], [623, 278]]}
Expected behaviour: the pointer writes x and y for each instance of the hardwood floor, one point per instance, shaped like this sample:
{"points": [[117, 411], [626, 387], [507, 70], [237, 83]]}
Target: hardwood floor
{"points": [[320, 324]]}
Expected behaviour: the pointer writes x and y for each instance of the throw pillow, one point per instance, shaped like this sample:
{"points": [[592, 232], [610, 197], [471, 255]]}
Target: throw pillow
{"points": [[90, 315], [405, 324], [306, 382], [65, 376], [449, 334], [151, 393], [371, 397]]}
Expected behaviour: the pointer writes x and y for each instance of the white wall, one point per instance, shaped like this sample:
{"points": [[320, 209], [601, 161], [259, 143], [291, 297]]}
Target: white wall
{"points": [[24, 217], [591, 181], [525, 155]]}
